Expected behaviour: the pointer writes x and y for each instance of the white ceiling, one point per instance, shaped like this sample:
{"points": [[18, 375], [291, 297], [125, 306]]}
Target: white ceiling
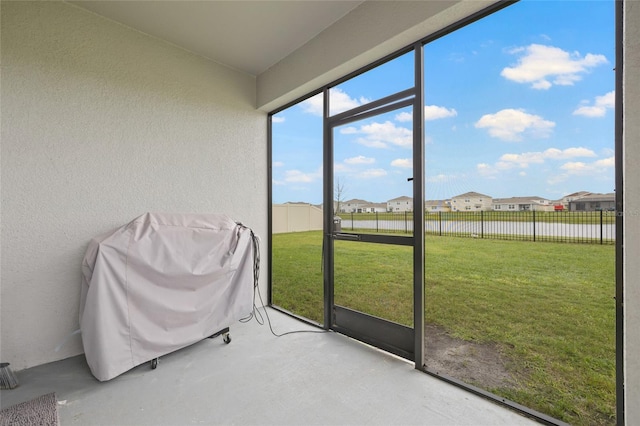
{"points": [[250, 36]]}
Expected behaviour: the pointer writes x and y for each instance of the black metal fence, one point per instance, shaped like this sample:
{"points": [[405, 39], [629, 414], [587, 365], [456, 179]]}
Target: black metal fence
{"points": [[558, 226]]}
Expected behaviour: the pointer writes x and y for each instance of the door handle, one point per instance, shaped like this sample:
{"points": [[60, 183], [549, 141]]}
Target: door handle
{"points": [[341, 236]]}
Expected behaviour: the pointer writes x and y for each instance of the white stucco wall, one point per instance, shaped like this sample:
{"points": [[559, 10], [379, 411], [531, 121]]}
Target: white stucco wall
{"points": [[631, 150], [100, 124]]}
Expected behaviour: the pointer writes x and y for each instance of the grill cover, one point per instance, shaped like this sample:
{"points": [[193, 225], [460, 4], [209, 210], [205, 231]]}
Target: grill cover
{"points": [[160, 283]]}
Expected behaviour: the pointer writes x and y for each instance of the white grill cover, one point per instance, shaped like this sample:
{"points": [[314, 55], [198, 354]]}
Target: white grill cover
{"points": [[160, 283]]}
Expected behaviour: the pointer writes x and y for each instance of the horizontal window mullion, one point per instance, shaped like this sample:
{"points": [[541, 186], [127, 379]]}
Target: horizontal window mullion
{"points": [[375, 105]]}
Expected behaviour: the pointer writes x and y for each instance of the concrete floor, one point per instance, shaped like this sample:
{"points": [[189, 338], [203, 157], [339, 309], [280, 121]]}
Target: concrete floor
{"points": [[298, 379]]}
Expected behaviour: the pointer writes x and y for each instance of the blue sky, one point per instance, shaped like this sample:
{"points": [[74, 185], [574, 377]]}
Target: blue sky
{"points": [[517, 104]]}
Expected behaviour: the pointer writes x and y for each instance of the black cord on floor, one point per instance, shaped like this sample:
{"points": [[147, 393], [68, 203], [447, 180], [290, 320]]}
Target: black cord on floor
{"points": [[255, 313]]}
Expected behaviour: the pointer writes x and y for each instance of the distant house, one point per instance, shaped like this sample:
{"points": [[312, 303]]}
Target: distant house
{"points": [[353, 206], [593, 202], [564, 201], [434, 206], [400, 204], [471, 201], [519, 204], [374, 208]]}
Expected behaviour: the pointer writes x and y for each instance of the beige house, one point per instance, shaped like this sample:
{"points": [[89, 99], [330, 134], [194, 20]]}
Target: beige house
{"points": [[434, 206], [353, 206], [519, 204], [374, 208], [400, 204], [471, 201]]}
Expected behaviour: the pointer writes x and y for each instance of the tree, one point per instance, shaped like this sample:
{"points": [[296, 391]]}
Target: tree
{"points": [[338, 195]]}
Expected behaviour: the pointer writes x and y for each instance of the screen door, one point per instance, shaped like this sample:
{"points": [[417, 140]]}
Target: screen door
{"points": [[372, 234]]}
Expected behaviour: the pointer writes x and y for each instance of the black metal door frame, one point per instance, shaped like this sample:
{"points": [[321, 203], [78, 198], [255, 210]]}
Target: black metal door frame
{"points": [[399, 339]]}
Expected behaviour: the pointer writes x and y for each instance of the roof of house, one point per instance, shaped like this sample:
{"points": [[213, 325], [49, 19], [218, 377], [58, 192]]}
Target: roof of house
{"points": [[356, 201], [596, 197], [517, 200], [577, 194], [471, 195], [403, 198]]}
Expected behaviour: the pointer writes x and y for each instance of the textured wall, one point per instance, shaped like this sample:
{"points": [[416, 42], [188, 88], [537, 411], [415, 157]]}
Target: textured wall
{"points": [[631, 109], [100, 124]]}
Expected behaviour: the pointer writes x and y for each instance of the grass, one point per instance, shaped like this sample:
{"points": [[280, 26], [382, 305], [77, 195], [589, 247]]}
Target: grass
{"points": [[549, 307]]}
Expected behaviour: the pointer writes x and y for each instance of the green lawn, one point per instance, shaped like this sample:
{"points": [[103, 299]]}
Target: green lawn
{"points": [[547, 306]]}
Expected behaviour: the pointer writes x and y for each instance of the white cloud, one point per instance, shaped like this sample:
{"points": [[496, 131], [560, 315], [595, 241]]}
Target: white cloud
{"points": [[510, 124], [278, 119], [404, 116], [313, 105], [523, 160], [405, 163], [372, 143], [278, 164], [381, 135], [297, 176], [544, 66], [360, 159], [608, 152], [560, 154], [605, 163], [348, 130], [339, 102], [431, 112], [579, 168], [373, 173], [441, 178], [599, 107], [575, 167], [486, 170], [434, 112]]}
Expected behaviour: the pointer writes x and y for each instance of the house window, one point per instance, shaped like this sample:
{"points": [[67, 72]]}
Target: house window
{"points": [[512, 207]]}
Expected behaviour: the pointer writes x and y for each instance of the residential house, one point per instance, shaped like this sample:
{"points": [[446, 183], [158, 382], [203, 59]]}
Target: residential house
{"points": [[564, 201], [471, 201], [593, 202], [519, 204], [434, 206], [353, 206], [374, 208], [400, 204]]}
